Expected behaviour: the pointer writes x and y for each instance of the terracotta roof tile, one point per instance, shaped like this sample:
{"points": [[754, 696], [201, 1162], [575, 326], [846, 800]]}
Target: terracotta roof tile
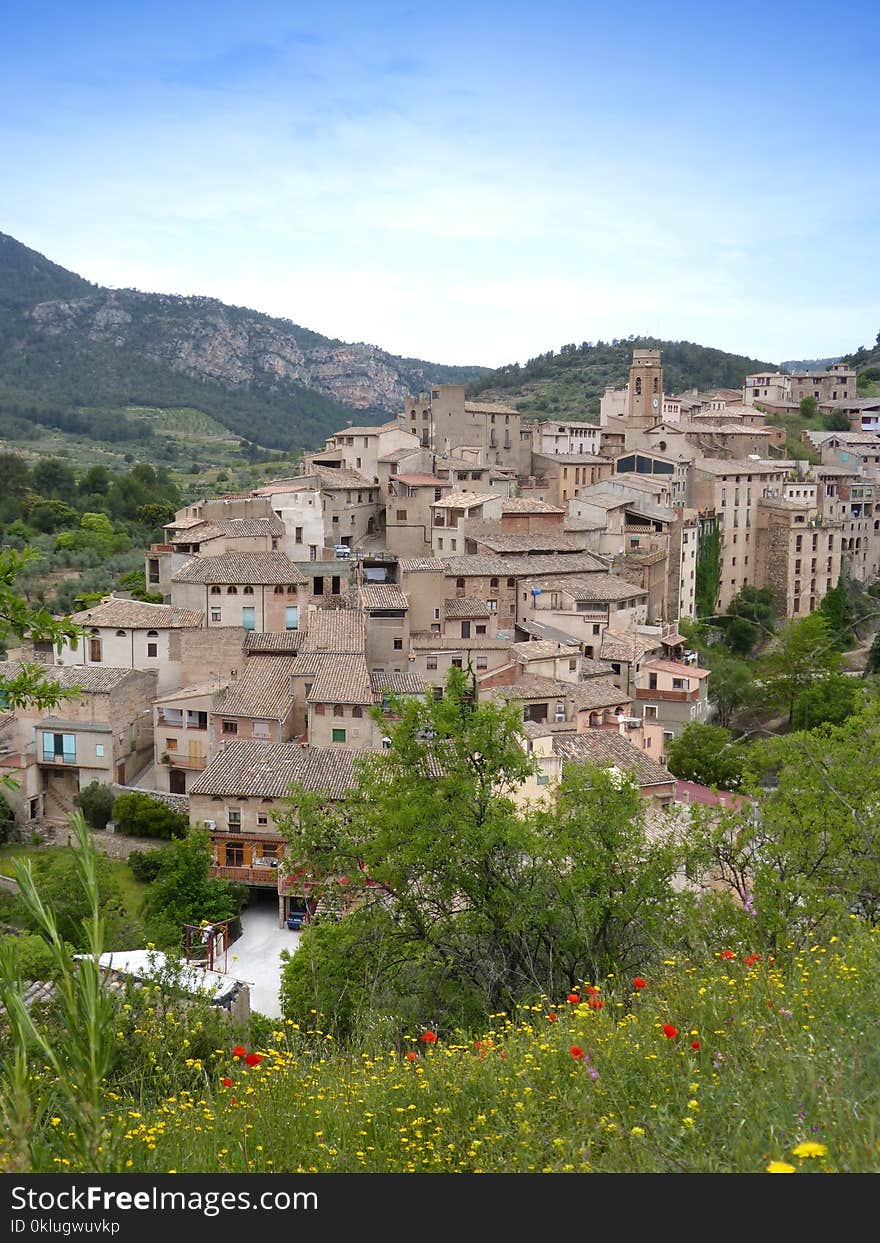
{"points": [[265, 770]]}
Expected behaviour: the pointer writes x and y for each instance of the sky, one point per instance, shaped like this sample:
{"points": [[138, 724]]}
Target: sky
{"points": [[462, 182]]}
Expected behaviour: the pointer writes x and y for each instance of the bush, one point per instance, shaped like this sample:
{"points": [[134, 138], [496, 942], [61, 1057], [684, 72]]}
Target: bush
{"points": [[33, 956], [96, 802], [138, 815], [145, 864]]}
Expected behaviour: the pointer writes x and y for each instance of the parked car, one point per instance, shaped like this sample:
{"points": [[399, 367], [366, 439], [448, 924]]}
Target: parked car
{"points": [[295, 920], [343, 552]]}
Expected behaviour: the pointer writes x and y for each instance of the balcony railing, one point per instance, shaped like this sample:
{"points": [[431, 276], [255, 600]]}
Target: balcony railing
{"points": [[249, 876], [180, 759], [669, 696]]}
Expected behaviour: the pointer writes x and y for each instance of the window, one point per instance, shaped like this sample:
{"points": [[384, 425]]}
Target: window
{"points": [[215, 591], [596, 627], [230, 727], [679, 684], [262, 729], [481, 630], [542, 779], [99, 749], [120, 634], [431, 662], [398, 645], [456, 660], [291, 617], [232, 591], [215, 615], [357, 711], [318, 708], [650, 712], [263, 820], [492, 606], [248, 618], [152, 650], [338, 710], [298, 535], [401, 515], [318, 585], [493, 584], [233, 817], [59, 748], [482, 662], [338, 735], [511, 582]]}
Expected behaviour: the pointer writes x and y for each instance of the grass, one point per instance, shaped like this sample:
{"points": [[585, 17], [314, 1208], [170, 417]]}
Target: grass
{"points": [[133, 891], [725, 1066]]}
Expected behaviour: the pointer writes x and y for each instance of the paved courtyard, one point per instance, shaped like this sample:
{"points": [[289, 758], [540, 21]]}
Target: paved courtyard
{"points": [[255, 956]]}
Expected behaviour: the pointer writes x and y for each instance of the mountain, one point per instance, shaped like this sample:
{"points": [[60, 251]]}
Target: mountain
{"points": [[866, 360], [570, 382], [808, 364], [68, 347]]}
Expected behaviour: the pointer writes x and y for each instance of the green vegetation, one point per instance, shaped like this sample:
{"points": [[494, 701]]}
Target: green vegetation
{"points": [[96, 803], [570, 381], [139, 815], [183, 891], [708, 572], [708, 755]]}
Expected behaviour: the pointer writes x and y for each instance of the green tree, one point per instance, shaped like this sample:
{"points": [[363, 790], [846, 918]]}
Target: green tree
{"points": [[19, 620], [802, 654], [708, 571], [53, 478], [184, 892], [809, 407], [96, 801], [56, 877], [478, 905], [731, 684], [873, 662], [708, 755], [836, 421], [138, 815], [806, 853], [828, 701], [52, 516]]}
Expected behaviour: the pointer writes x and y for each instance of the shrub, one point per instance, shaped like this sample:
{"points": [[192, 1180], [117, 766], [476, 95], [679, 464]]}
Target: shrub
{"points": [[138, 815], [145, 864], [33, 956], [96, 802]]}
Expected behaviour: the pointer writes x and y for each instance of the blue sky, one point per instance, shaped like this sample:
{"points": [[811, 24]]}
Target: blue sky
{"points": [[464, 182]]}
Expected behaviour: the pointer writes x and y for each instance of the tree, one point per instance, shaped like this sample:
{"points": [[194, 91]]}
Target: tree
{"points": [[54, 478], [873, 662], [19, 621], [138, 815], [809, 407], [731, 685], [51, 515], [828, 701], [708, 755], [836, 421], [96, 801], [749, 619], [806, 854], [57, 879], [464, 903], [803, 653], [184, 892]]}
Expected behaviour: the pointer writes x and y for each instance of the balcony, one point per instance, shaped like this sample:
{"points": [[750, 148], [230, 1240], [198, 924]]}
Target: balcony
{"points": [[181, 759], [247, 875], [668, 696]]}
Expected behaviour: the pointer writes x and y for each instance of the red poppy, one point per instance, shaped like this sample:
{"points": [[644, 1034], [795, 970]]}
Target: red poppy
{"points": [[239, 1051], [343, 880], [576, 1052], [226, 1081], [695, 1045], [412, 1056], [752, 959], [728, 954], [574, 998], [551, 1018], [591, 988], [253, 1059], [669, 1031], [595, 1004], [638, 982], [428, 1037]]}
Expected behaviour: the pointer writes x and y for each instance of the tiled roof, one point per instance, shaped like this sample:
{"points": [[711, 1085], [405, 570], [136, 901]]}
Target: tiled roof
{"points": [[262, 568], [302, 483], [422, 481], [488, 407], [490, 564], [373, 430], [465, 500], [592, 587], [626, 647], [263, 690], [540, 649], [188, 692], [248, 526], [382, 596], [496, 540], [342, 680], [284, 641], [449, 643], [532, 686], [331, 478], [88, 679], [608, 748], [135, 615], [398, 683], [597, 693], [735, 466], [528, 505], [335, 630], [412, 565], [265, 770], [677, 668], [397, 455], [572, 459], [465, 606]]}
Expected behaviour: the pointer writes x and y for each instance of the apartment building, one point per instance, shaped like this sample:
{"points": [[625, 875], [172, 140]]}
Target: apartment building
{"points": [[451, 513], [837, 383], [551, 438], [256, 591], [797, 553], [583, 607], [673, 694], [732, 490], [359, 449], [409, 513], [446, 422]]}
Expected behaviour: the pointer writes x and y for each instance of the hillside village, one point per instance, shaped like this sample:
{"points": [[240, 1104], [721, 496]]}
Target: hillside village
{"points": [[553, 562]]}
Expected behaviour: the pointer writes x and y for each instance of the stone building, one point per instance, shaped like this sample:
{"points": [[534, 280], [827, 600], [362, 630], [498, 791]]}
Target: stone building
{"points": [[257, 591]]}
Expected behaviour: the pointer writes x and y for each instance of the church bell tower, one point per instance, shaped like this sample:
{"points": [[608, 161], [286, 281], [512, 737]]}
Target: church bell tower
{"points": [[645, 394]]}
